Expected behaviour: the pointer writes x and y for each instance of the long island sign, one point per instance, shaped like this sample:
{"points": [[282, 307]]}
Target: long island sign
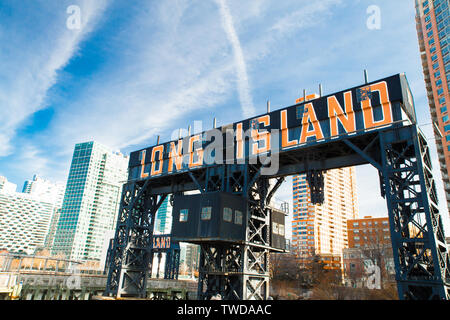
{"points": [[371, 106]]}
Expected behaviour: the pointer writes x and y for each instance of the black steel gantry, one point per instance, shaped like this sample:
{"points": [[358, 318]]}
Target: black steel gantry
{"points": [[238, 270]]}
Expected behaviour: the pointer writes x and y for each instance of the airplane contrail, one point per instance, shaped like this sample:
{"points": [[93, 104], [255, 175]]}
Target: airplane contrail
{"points": [[245, 98]]}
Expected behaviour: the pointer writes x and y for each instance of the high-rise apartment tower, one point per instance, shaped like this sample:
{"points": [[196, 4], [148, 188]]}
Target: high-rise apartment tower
{"points": [[91, 201], [433, 30]]}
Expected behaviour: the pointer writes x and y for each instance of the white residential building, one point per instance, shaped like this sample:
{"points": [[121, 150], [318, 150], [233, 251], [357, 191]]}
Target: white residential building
{"points": [[24, 221], [45, 190], [6, 186]]}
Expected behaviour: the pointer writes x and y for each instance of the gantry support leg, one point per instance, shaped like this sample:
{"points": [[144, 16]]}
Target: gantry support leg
{"points": [[131, 252], [241, 271], [420, 253]]}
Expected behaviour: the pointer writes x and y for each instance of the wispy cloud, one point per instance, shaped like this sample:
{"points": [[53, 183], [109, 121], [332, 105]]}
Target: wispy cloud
{"points": [[31, 60], [248, 109]]}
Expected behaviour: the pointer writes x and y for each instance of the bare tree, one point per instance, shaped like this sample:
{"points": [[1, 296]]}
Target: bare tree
{"points": [[378, 250]]}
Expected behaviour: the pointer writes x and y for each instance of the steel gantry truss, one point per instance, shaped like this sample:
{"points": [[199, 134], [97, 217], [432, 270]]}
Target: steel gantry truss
{"points": [[240, 270]]}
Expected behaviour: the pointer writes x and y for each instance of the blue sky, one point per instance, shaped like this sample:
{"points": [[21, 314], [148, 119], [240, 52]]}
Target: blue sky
{"points": [[135, 70]]}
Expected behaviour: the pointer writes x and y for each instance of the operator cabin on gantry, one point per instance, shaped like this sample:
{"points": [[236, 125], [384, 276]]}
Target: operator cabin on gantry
{"points": [[219, 217]]}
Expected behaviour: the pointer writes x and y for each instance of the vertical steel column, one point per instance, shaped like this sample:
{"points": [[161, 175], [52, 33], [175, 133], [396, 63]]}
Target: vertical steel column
{"points": [[131, 252], [240, 271], [418, 241], [172, 264]]}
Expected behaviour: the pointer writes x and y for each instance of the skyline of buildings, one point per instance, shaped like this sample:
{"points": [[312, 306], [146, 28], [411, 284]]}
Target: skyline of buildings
{"points": [[88, 209], [433, 29]]}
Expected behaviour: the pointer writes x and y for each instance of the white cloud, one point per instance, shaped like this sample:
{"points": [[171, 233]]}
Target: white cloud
{"points": [[30, 65], [248, 109]]}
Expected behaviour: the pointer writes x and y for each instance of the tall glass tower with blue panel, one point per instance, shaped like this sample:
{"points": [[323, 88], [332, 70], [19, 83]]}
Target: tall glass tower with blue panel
{"points": [[163, 221], [91, 201]]}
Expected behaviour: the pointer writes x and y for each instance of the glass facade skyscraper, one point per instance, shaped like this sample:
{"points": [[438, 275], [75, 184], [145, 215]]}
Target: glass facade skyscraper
{"points": [[163, 221], [91, 201], [433, 30]]}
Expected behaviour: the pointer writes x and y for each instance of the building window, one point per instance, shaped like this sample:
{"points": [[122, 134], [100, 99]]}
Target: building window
{"points": [[436, 65], [184, 215], [238, 217], [440, 91], [439, 83], [275, 228], [442, 100], [447, 128], [443, 109], [206, 213], [445, 118], [281, 229], [227, 214]]}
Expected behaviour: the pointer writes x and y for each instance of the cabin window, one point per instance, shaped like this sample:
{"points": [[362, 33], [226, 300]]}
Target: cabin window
{"points": [[275, 228], [227, 214], [281, 229], [184, 215], [206, 213], [238, 217]]}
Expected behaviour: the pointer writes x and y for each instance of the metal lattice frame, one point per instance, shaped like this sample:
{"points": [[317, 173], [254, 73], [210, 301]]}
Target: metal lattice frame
{"points": [[131, 252], [420, 254], [172, 264], [240, 271]]}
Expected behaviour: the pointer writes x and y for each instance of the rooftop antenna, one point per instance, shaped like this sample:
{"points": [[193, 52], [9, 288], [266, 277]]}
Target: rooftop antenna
{"points": [[366, 76], [157, 141], [189, 131], [304, 95], [320, 90], [179, 133], [268, 106], [214, 123]]}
